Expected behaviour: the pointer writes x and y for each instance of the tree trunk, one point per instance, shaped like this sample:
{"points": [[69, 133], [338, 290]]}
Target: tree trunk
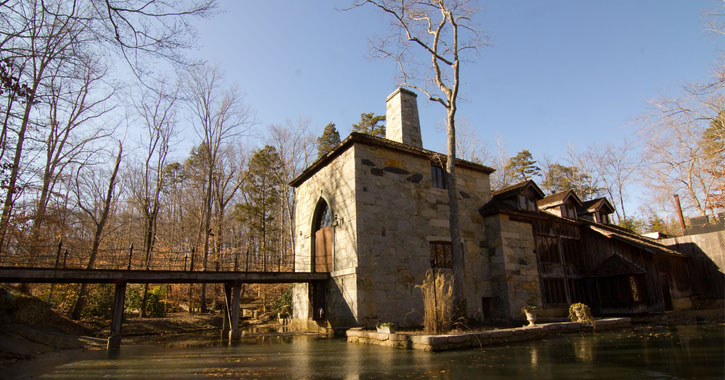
{"points": [[207, 225], [100, 224], [459, 294], [15, 170]]}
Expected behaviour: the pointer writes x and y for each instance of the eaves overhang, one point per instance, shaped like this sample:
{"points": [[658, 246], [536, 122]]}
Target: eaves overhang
{"points": [[362, 138]]}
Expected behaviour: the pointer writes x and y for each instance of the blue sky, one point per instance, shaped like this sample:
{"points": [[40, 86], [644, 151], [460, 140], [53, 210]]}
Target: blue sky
{"points": [[556, 73]]}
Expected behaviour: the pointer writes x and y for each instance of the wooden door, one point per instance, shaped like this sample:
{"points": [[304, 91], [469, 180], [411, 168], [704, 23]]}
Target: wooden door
{"points": [[323, 249]]}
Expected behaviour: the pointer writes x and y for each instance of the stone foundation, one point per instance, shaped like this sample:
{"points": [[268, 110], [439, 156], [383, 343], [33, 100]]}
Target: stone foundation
{"points": [[481, 338]]}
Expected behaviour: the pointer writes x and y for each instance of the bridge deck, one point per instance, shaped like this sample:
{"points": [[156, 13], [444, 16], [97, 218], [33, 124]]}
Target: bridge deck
{"points": [[50, 275]]}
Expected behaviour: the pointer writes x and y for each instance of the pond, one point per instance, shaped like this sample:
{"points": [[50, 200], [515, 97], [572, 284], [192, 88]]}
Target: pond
{"points": [[689, 352]]}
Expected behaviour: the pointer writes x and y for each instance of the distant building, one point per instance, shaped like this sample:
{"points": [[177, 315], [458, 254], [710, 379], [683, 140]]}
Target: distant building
{"points": [[373, 213]]}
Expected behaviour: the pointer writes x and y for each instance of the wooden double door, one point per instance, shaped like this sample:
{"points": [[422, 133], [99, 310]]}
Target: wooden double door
{"points": [[323, 250]]}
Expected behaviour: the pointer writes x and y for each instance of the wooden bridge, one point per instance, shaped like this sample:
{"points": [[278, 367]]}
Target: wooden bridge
{"points": [[232, 281]]}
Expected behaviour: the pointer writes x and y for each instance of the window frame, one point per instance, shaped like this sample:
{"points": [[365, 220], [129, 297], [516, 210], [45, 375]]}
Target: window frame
{"points": [[441, 255], [438, 176]]}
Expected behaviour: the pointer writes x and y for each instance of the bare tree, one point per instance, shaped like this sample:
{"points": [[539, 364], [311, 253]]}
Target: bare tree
{"points": [[48, 40], [229, 177], [74, 105], [468, 146], [98, 213], [617, 168], [158, 113], [442, 30], [142, 29], [684, 140], [500, 178], [38, 41], [220, 115], [673, 138], [295, 146]]}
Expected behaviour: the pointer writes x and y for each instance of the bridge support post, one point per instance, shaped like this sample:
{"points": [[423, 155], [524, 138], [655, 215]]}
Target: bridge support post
{"points": [[235, 335], [227, 310], [114, 341]]}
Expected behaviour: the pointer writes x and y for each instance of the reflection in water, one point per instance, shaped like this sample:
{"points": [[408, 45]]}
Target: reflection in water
{"points": [[584, 348], [351, 363], [298, 354], [534, 357], [681, 352]]}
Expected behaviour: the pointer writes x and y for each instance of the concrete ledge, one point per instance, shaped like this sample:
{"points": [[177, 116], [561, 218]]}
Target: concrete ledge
{"points": [[480, 338]]}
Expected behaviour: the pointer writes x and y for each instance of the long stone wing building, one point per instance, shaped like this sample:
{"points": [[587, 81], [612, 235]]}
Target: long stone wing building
{"points": [[373, 212]]}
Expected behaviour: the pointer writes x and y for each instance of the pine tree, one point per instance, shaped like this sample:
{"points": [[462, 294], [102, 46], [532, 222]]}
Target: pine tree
{"points": [[522, 166], [713, 142], [370, 124], [329, 139], [560, 178], [262, 190]]}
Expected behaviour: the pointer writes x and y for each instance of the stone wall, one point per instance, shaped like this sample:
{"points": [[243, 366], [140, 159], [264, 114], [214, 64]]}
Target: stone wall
{"points": [[399, 213], [708, 260], [401, 118], [480, 339], [335, 184], [710, 244], [512, 261], [387, 213]]}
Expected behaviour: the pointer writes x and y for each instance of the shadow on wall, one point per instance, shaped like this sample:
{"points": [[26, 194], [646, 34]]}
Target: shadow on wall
{"points": [[340, 316], [707, 279]]}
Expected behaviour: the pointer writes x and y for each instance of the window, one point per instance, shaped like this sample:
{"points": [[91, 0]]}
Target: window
{"points": [[568, 211], [548, 250], [554, 291], [635, 290], [440, 254], [325, 217], [438, 176], [526, 203], [604, 219]]}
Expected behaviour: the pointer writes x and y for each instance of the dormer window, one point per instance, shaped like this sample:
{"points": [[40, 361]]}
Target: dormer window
{"points": [[526, 203], [568, 211], [602, 218], [596, 210]]}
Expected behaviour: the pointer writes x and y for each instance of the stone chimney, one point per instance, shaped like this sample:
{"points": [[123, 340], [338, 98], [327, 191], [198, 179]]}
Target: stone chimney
{"points": [[401, 118]]}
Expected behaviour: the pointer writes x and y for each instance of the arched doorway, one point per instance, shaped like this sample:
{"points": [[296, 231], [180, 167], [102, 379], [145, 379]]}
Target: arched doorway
{"points": [[322, 244]]}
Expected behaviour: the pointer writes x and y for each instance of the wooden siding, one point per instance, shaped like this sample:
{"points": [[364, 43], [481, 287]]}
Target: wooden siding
{"points": [[568, 256]]}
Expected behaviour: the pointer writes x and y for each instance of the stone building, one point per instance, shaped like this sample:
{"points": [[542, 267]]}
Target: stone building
{"points": [[373, 212]]}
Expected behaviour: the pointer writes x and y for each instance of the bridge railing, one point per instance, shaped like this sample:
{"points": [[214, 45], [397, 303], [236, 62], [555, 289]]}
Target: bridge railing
{"points": [[77, 257]]}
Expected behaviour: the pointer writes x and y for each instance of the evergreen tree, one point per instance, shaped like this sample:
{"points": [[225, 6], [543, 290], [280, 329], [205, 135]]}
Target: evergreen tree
{"points": [[522, 166], [262, 191], [713, 138], [370, 124], [656, 224], [558, 178], [329, 139], [713, 141], [633, 224]]}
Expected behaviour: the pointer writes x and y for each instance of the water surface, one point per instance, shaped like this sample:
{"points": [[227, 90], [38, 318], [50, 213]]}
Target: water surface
{"points": [[681, 352]]}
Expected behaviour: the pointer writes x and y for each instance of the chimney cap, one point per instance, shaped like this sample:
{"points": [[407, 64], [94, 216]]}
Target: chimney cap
{"points": [[403, 90]]}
